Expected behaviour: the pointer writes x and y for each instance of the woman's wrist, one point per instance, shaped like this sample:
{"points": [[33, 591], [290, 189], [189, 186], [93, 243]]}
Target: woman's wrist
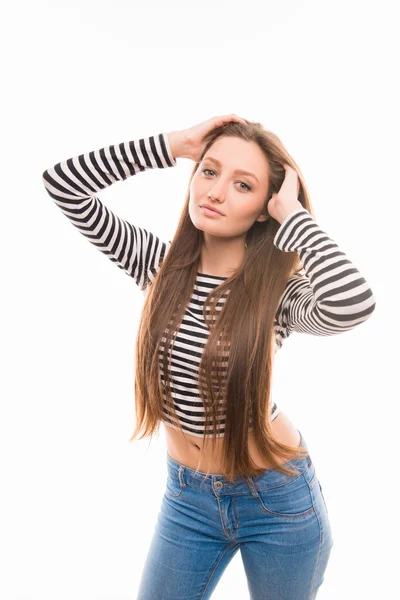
{"points": [[178, 143]]}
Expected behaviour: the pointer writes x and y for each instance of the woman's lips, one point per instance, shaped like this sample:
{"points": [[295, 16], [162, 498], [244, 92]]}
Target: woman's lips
{"points": [[210, 213]]}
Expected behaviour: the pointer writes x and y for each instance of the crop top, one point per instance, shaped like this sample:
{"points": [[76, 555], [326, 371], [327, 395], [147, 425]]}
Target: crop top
{"points": [[331, 296]]}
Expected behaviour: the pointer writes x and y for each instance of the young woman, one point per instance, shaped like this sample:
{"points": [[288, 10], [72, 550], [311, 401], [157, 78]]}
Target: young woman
{"points": [[248, 265]]}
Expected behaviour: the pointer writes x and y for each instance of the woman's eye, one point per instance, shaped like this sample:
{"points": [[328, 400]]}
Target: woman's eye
{"points": [[245, 184]]}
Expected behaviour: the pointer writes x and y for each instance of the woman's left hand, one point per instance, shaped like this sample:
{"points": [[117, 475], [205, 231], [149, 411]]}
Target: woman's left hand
{"points": [[285, 201]]}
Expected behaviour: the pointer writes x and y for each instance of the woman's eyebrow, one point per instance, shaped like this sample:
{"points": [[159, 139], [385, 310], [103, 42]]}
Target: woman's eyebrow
{"points": [[216, 161]]}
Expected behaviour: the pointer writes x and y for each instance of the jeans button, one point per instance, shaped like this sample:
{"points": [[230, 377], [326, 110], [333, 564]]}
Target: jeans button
{"points": [[218, 485]]}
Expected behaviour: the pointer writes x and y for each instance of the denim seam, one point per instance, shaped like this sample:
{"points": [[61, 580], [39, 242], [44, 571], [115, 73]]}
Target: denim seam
{"points": [[273, 487], [320, 532], [181, 482], [323, 497], [315, 509], [235, 512], [209, 489], [286, 515], [316, 564], [222, 521], [256, 494], [170, 495], [214, 567]]}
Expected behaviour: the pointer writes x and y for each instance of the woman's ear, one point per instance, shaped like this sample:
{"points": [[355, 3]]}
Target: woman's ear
{"points": [[262, 218]]}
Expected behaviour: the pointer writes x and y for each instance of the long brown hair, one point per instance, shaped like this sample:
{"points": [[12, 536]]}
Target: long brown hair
{"points": [[242, 332]]}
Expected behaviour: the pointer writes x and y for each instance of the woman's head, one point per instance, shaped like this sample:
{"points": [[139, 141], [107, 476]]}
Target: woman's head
{"points": [[239, 350], [219, 181]]}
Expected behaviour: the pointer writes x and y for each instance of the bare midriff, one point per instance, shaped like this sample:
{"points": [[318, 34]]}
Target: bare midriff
{"points": [[185, 448]]}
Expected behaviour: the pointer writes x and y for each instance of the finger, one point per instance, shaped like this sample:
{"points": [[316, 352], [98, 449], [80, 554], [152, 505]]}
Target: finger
{"points": [[232, 117], [290, 184], [240, 119], [296, 180]]}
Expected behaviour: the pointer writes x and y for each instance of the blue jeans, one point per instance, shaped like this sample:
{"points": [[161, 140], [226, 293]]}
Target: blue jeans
{"points": [[279, 522]]}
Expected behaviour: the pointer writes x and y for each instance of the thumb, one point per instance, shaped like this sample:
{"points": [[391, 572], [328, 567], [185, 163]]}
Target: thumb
{"points": [[271, 206]]}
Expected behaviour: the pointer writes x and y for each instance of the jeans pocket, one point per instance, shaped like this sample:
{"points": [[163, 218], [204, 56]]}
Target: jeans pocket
{"points": [[175, 484], [290, 499]]}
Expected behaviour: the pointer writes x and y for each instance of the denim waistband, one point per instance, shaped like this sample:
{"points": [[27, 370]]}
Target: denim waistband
{"points": [[189, 476]]}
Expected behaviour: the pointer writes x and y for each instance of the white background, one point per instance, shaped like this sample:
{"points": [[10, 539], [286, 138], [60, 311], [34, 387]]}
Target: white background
{"points": [[79, 502]]}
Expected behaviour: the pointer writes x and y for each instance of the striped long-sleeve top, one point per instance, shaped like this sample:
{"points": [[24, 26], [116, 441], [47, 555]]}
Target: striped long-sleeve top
{"points": [[331, 297]]}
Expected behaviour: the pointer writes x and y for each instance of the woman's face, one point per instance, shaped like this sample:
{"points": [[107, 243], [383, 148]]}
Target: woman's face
{"points": [[238, 196]]}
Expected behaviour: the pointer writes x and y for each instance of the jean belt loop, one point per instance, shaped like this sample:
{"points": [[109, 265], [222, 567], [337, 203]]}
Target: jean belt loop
{"points": [[252, 487], [180, 474]]}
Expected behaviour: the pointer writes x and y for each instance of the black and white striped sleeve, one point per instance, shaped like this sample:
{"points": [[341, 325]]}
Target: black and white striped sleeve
{"points": [[332, 297], [74, 183]]}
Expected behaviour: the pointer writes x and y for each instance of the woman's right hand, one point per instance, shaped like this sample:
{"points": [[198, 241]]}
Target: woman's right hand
{"points": [[189, 143]]}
